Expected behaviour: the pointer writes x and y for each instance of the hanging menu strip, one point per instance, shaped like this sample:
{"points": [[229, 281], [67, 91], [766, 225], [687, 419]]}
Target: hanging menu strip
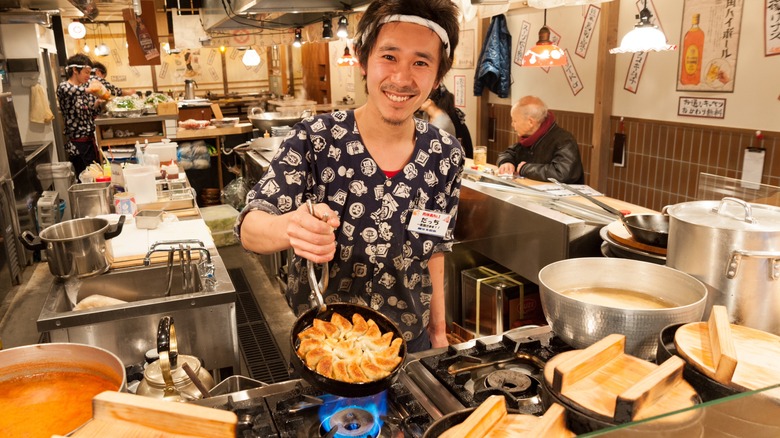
{"points": [[588, 27], [571, 75], [522, 42], [634, 73]]}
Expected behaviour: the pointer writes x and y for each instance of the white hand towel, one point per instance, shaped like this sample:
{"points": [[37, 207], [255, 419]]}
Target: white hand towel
{"points": [[39, 105]]}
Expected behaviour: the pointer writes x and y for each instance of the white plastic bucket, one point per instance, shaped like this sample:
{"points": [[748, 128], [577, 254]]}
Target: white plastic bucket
{"points": [[140, 180], [166, 151]]}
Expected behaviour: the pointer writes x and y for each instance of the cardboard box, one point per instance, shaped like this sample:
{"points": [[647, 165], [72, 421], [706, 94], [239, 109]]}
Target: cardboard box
{"points": [[165, 108]]}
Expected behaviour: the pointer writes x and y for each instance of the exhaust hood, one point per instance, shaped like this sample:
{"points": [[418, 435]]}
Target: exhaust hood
{"points": [[275, 14]]}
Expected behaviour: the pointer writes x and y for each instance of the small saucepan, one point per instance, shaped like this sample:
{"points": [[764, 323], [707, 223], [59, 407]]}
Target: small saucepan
{"points": [[650, 229]]}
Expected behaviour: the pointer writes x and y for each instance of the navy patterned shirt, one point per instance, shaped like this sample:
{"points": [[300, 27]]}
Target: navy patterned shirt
{"points": [[378, 262], [78, 109]]}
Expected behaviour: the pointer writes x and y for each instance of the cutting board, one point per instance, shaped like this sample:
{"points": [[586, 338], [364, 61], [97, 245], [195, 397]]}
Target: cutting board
{"points": [[123, 415], [617, 231], [603, 382], [130, 246], [757, 354]]}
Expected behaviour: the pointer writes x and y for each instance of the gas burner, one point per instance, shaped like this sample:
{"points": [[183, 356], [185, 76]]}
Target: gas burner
{"points": [[356, 422], [510, 381]]}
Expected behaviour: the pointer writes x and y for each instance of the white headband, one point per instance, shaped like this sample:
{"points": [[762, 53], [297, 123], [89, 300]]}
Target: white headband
{"points": [[414, 19]]}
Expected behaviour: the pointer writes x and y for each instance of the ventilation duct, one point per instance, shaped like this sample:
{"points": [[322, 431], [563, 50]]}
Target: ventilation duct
{"points": [[87, 7], [27, 16]]}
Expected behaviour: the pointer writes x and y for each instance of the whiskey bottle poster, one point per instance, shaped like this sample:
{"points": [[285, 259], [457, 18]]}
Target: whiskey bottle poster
{"points": [[142, 39], [709, 42]]}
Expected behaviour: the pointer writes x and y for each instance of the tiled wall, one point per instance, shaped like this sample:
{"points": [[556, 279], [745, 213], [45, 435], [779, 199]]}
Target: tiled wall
{"points": [[663, 159]]}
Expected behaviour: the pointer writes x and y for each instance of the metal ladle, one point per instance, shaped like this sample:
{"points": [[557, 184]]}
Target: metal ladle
{"points": [[317, 286]]}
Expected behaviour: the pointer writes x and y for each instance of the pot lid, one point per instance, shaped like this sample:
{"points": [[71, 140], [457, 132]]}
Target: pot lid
{"points": [[728, 214], [153, 372]]}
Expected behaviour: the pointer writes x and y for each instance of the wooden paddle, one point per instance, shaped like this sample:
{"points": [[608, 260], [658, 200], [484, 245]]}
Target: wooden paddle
{"points": [[739, 357]]}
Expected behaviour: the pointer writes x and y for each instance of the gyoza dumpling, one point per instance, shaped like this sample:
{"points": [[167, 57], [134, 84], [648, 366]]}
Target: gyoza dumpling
{"points": [[377, 344], [315, 355], [342, 323], [340, 371], [312, 333], [347, 350], [325, 366], [386, 363], [371, 369], [359, 326], [355, 373], [308, 345], [330, 330], [373, 331], [391, 351]]}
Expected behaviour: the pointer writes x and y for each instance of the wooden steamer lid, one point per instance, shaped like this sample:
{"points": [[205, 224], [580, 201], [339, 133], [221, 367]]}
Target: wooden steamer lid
{"points": [[739, 357], [604, 383]]}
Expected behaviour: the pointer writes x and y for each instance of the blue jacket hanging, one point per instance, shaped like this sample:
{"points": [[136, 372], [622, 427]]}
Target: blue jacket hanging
{"points": [[495, 62]]}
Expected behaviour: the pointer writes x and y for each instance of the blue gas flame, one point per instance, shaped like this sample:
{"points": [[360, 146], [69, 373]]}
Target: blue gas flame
{"points": [[376, 405]]}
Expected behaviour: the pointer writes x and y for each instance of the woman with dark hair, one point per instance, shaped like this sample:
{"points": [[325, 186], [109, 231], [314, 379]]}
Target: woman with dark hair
{"points": [[443, 113], [79, 108]]}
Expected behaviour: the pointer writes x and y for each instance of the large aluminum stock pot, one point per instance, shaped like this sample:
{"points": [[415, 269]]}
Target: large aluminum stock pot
{"points": [[734, 248], [586, 299]]}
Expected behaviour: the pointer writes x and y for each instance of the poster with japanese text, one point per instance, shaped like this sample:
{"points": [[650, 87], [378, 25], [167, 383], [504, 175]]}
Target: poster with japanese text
{"points": [[772, 27], [708, 45]]}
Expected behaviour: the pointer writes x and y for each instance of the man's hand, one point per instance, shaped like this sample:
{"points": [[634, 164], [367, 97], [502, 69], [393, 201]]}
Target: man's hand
{"points": [[507, 169], [311, 237]]}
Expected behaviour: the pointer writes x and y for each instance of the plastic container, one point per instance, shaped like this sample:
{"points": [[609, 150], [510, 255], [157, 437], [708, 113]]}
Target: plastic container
{"points": [[166, 151], [224, 238], [219, 218], [48, 209], [140, 181], [59, 177], [148, 219]]}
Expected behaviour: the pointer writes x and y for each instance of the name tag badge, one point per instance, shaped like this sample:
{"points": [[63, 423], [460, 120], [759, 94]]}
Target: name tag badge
{"points": [[429, 222]]}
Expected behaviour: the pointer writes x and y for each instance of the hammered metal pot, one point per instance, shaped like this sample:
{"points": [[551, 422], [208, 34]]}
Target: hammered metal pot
{"points": [[580, 324]]}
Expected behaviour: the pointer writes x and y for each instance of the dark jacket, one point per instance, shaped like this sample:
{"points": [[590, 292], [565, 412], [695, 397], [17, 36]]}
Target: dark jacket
{"points": [[555, 155], [494, 69]]}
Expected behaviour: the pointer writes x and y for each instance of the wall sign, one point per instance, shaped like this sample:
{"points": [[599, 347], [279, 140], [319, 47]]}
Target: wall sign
{"points": [[707, 107], [634, 73], [588, 27], [572, 77], [522, 42], [772, 27], [709, 44], [460, 91], [464, 52]]}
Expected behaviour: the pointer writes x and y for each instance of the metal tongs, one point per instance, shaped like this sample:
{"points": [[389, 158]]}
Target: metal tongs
{"points": [[317, 286]]}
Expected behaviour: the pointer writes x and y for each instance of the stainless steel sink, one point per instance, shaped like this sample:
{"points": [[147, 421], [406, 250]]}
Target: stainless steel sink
{"points": [[205, 319]]}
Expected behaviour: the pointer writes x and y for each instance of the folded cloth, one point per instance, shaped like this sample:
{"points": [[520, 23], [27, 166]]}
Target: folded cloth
{"points": [[40, 112]]}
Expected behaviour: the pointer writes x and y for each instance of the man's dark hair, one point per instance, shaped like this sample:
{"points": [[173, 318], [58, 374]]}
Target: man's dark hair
{"points": [[98, 66], [79, 59], [442, 12]]}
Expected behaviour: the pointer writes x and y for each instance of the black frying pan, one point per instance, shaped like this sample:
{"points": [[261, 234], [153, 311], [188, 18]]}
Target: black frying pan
{"points": [[338, 387], [650, 229]]}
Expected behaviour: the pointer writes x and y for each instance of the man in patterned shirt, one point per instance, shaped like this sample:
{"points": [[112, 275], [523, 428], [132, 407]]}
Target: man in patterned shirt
{"points": [[385, 185], [79, 109]]}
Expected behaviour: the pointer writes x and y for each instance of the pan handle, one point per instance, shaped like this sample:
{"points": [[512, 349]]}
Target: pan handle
{"points": [[606, 207], [317, 286]]}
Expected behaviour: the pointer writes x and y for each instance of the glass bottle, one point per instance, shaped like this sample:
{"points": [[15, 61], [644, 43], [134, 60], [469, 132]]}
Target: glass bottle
{"points": [[693, 48]]}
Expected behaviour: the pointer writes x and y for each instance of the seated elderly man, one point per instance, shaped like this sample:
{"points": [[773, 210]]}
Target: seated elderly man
{"points": [[545, 150]]}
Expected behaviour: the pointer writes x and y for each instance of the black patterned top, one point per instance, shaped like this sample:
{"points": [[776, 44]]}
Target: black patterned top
{"points": [[78, 109], [113, 89], [378, 262]]}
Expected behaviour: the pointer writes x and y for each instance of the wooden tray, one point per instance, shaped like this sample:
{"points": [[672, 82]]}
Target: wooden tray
{"points": [[736, 356], [606, 384], [617, 231]]}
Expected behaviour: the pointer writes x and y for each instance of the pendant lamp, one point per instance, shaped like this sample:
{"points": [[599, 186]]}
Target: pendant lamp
{"points": [[342, 31], [644, 37], [544, 53], [347, 60], [251, 58]]}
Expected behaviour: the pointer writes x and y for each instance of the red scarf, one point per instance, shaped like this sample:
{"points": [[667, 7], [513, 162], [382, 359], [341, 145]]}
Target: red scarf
{"points": [[529, 141]]}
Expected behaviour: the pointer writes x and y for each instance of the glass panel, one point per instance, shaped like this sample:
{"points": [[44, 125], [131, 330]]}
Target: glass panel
{"points": [[714, 188]]}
